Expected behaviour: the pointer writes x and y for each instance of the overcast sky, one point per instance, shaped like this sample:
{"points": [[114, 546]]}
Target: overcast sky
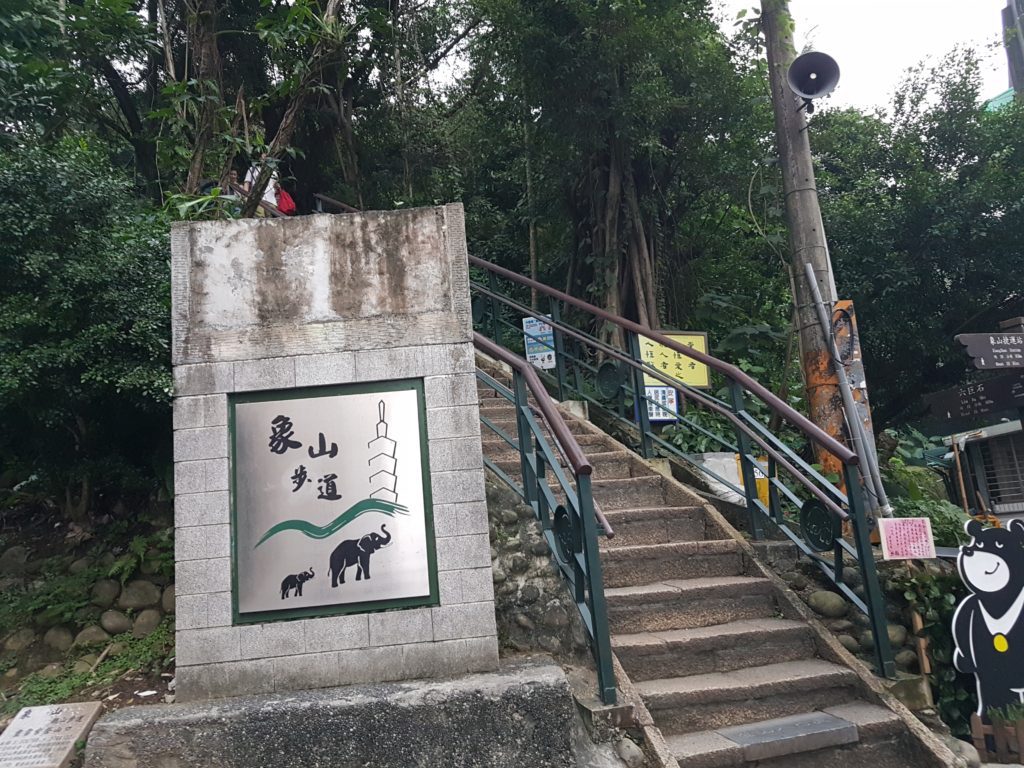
{"points": [[874, 41]]}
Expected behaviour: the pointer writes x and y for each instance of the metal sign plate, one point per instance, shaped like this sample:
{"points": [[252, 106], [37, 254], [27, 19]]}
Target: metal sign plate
{"points": [[676, 364], [994, 350], [539, 339], [1000, 393], [331, 501]]}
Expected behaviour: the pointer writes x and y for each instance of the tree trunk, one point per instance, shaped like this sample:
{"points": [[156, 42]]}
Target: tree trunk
{"points": [[290, 120], [203, 34], [531, 222], [145, 149], [236, 124]]}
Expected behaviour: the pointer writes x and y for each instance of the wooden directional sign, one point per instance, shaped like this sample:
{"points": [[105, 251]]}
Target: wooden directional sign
{"points": [[995, 395], [994, 350]]}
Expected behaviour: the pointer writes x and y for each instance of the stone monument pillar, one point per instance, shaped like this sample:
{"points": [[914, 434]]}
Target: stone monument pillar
{"points": [[330, 519]]}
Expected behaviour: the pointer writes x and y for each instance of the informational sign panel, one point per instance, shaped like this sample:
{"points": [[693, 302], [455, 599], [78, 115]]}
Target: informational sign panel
{"points": [[1001, 393], [994, 350], [45, 737], [906, 538], [675, 364], [331, 500], [540, 343], [665, 406]]}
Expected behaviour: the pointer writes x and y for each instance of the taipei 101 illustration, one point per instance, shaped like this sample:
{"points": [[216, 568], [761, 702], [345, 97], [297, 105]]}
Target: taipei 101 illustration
{"points": [[382, 462]]}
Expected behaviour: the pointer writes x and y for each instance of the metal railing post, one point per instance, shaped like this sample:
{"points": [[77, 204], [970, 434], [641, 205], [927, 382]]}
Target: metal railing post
{"points": [[595, 586], [872, 590], [495, 309], [643, 416], [556, 320], [743, 442], [523, 431], [774, 508]]}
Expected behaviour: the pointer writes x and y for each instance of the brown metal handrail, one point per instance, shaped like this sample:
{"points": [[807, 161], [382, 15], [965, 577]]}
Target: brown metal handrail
{"points": [[273, 210], [798, 420], [570, 448], [336, 203]]}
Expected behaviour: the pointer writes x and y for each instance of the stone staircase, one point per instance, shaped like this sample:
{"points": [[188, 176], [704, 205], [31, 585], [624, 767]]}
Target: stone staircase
{"points": [[724, 661]]}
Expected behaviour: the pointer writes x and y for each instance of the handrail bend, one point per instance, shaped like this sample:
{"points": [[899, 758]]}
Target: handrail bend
{"points": [[273, 210], [336, 203], [798, 420], [573, 453]]}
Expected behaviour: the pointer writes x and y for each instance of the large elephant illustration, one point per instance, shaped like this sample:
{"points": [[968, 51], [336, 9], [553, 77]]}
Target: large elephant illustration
{"points": [[356, 552]]}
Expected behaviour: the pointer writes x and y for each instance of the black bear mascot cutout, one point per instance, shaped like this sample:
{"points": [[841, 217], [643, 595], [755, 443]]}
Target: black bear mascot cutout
{"points": [[988, 626]]}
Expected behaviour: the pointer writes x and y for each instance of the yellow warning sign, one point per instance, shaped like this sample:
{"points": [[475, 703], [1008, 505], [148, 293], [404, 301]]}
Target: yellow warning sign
{"points": [[676, 364]]}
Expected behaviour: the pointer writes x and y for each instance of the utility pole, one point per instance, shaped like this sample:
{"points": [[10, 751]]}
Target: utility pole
{"points": [[806, 231]]}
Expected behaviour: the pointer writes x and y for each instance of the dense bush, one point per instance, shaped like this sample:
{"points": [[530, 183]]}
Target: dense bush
{"points": [[934, 594], [84, 330], [947, 519]]}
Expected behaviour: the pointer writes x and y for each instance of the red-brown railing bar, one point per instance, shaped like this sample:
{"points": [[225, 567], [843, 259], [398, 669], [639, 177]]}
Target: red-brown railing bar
{"points": [[798, 420], [573, 453], [273, 210], [331, 201]]}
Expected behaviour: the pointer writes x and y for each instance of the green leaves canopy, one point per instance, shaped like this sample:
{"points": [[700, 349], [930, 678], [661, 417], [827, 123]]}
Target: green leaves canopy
{"points": [[84, 323]]}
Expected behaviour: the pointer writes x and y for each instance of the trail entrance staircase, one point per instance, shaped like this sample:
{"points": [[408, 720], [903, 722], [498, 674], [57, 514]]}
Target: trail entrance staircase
{"points": [[727, 662], [729, 670]]}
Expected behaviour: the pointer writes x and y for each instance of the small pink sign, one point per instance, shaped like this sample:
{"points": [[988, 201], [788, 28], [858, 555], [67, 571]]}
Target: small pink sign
{"points": [[906, 538]]}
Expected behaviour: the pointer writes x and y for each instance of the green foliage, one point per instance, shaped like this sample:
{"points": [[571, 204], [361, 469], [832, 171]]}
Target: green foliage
{"points": [[84, 336], [55, 596], [947, 519], [935, 596], [925, 219], [912, 445], [689, 440], [1011, 713], [155, 551], [148, 655], [33, 78]]}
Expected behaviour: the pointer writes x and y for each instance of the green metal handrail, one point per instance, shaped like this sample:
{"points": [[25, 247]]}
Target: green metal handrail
{"points": [[571, 527], [803, 505]]}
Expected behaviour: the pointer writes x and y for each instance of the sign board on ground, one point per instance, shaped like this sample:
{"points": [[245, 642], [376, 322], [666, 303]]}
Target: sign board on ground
{"points": [[906, 538], [332, 504], [540, 343], [665, 406], [45, 737], [676, 364], [994, 350]]}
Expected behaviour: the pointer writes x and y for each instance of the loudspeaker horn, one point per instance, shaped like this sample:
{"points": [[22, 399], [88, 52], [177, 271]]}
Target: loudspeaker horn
{"points": [[813, 75]]}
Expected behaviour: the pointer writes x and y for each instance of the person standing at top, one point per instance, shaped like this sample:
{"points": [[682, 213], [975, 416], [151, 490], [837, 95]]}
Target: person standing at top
{"points": [[250, 179]]}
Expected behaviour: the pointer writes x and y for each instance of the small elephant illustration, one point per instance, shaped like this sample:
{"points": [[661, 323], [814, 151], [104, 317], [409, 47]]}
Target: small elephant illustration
{"points": [[295, 581], [356, 552]]}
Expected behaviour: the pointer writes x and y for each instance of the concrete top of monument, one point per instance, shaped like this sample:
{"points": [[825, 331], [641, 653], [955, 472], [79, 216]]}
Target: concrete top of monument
{"points": [[257, 288]]}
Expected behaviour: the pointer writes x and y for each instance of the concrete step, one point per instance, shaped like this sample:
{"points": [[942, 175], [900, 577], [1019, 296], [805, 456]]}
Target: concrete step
{"points": [[718, 699], [497, 449], [718, 648], [633, 493], [681, 604], [507, 423], [613, 465], [658, 525], [638, 565], [847, 735]]}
